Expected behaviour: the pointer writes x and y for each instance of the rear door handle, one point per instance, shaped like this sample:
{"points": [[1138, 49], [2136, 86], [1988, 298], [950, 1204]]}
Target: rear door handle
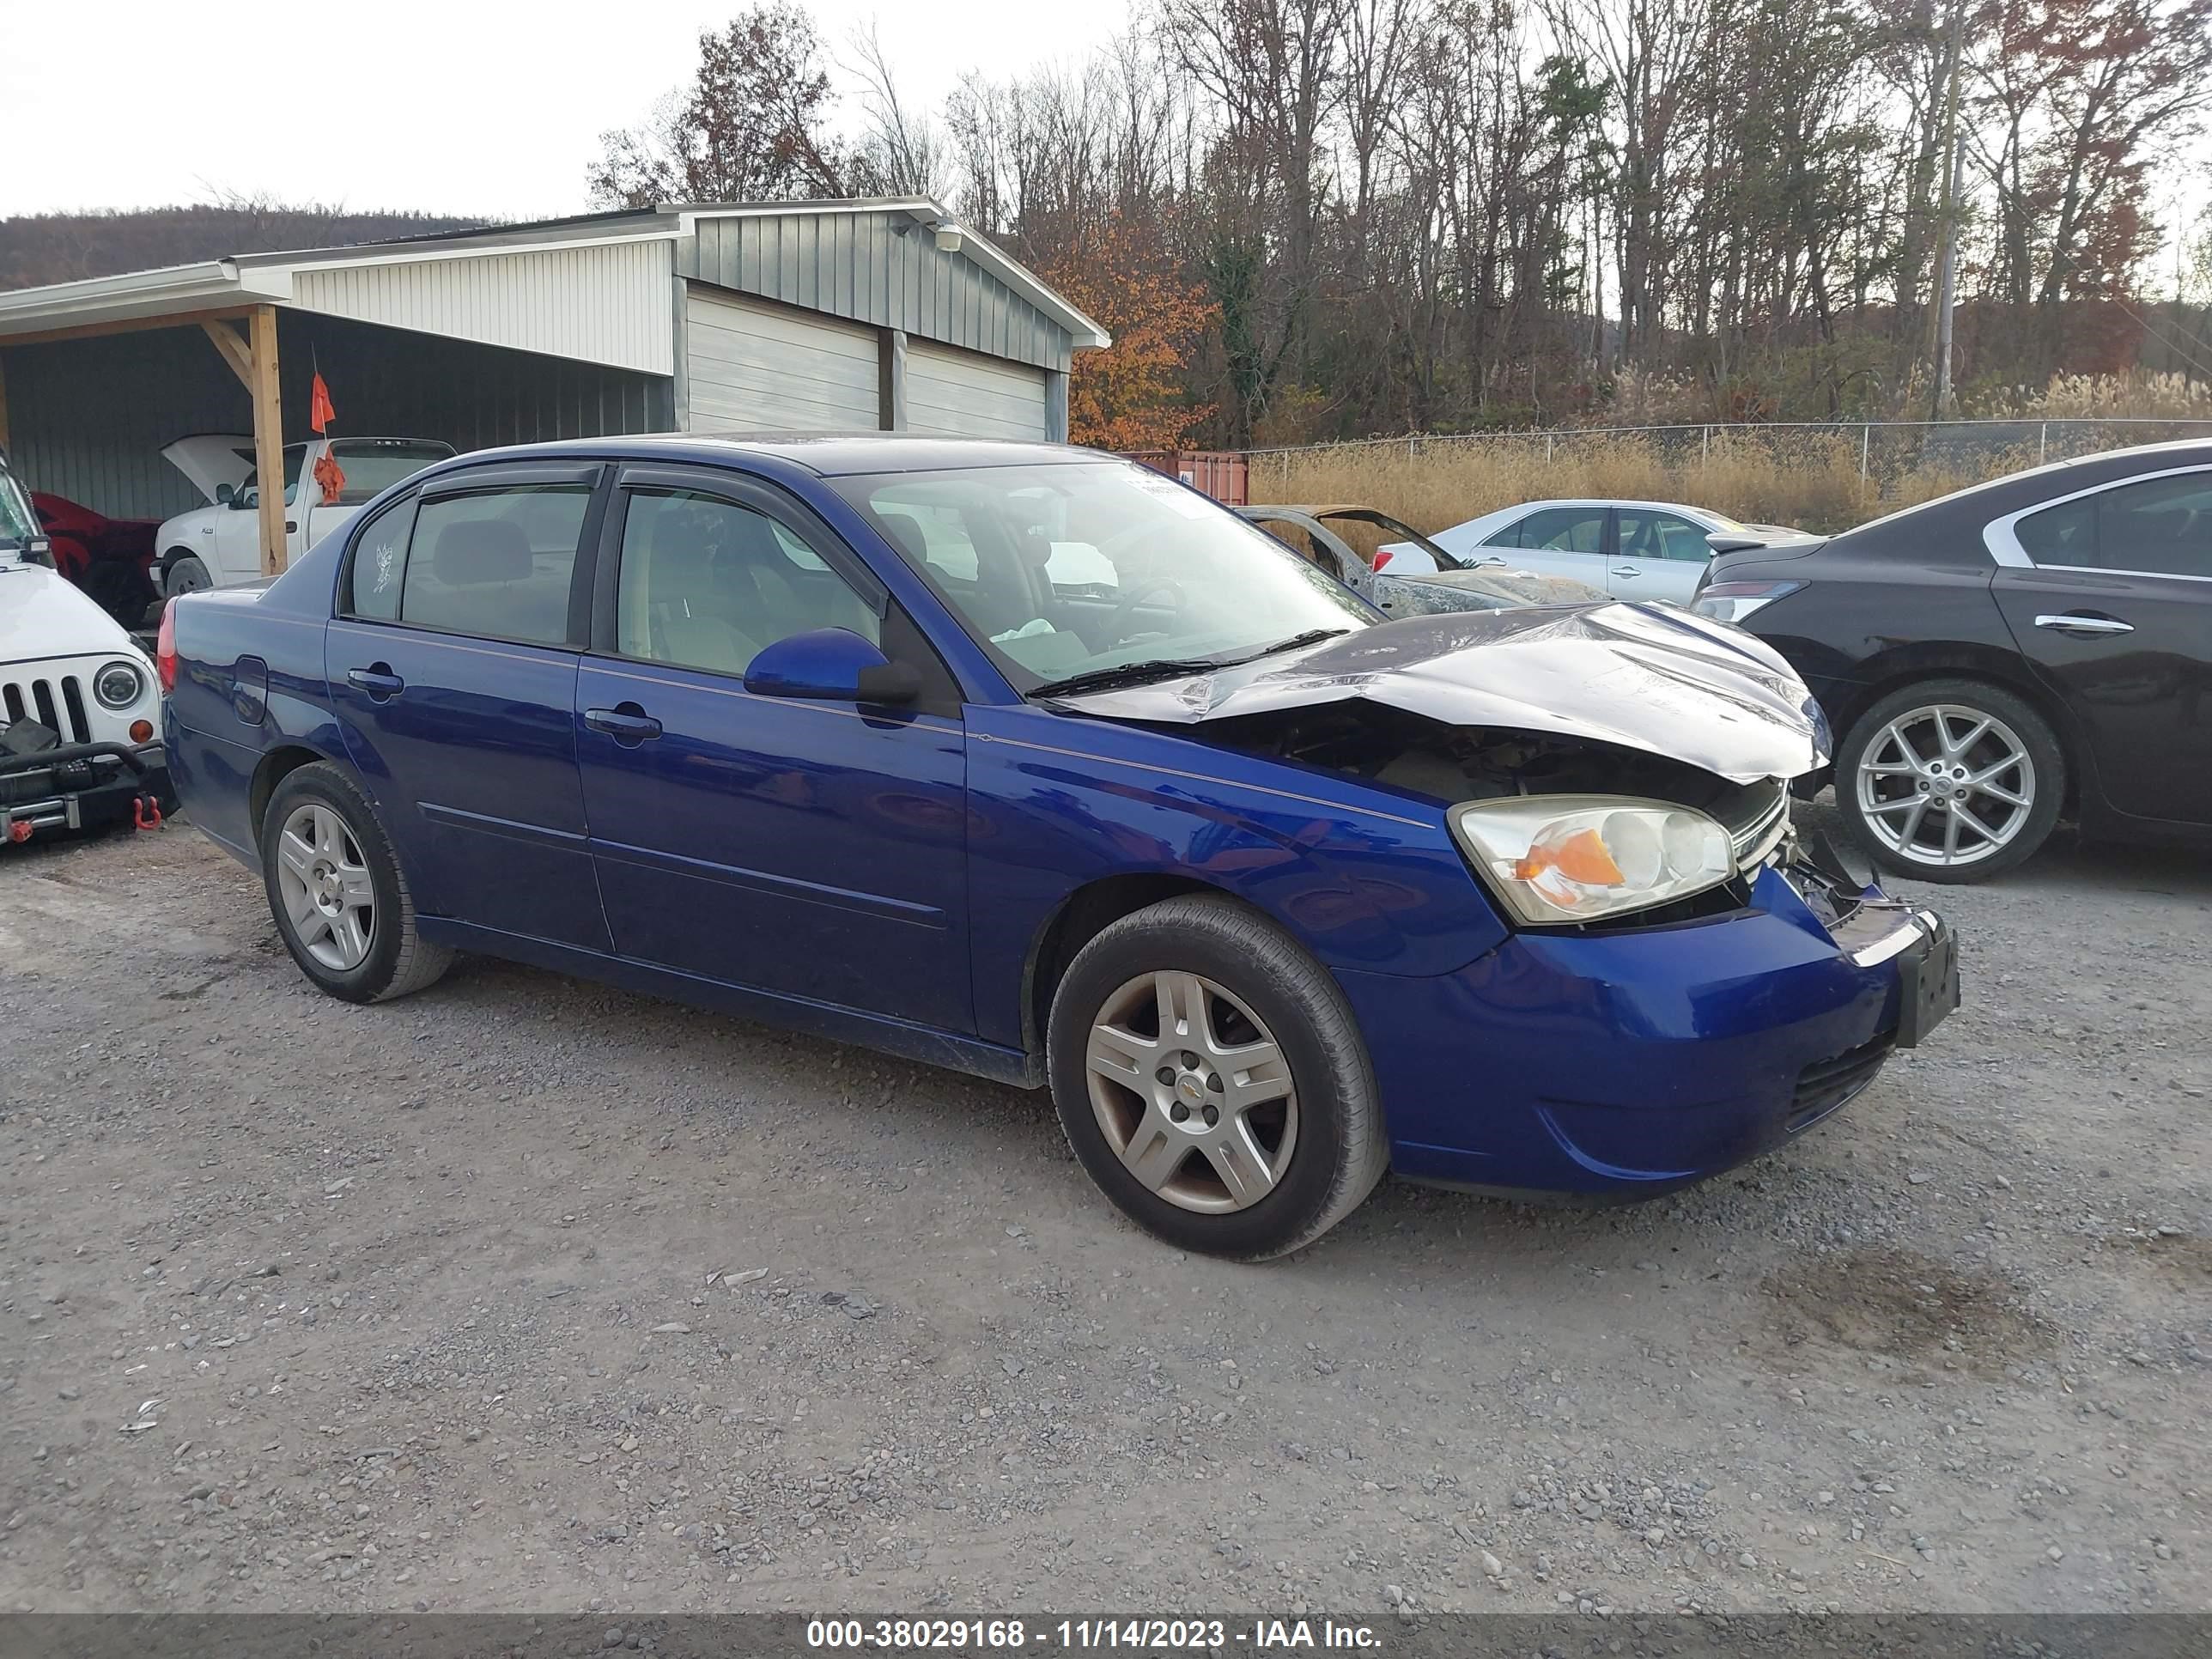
{"points": [[2068, 623], [378, 680], [626, 723]]}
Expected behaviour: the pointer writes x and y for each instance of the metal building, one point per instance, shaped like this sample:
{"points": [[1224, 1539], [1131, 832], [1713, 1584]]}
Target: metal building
{"points": [[873, 314]]}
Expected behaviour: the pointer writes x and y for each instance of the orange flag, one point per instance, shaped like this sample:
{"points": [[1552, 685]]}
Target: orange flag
{"points": [[320, 413]]}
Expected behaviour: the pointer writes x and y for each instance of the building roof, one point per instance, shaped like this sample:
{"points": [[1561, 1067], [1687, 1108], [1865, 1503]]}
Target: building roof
{"points": [[181, 292]]}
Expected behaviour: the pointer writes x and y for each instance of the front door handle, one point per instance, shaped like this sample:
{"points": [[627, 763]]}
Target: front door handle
{"points": [[626, 723], [1626, 570], [2070, 622], [378, 680], [291, 526]]}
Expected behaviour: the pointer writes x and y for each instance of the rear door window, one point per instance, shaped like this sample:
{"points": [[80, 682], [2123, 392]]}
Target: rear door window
{"points": [[379, 560], [1559, 529], [498, 562], [2158, 526]]}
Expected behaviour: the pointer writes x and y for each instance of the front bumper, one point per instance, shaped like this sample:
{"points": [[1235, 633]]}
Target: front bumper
{"points": [[80, 786], [1629, 1063]]}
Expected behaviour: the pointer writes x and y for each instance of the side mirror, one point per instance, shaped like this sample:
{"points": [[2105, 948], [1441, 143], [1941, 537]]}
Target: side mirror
{"points": [[831, 664], [1725, 543], [225, 494]]}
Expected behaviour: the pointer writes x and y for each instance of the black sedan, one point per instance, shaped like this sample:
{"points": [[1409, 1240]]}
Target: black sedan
{"points": [[2036, 647]]}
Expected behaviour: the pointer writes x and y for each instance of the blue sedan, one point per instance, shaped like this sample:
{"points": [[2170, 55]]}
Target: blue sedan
{"points": [[1028, 762]]}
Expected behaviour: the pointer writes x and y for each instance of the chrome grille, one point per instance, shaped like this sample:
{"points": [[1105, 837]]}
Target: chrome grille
{"points": [[1757, 822], [58, 703]]}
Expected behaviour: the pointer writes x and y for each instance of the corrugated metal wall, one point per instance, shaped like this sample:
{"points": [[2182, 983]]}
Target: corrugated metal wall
{"points": [[599, 305], [88, 418], [878, 268]]}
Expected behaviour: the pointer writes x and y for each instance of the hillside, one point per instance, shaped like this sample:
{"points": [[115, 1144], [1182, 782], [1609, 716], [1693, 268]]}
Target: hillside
{"points": [[60, 247]]}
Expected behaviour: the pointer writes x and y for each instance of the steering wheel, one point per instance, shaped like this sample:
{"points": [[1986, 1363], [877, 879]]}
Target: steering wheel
{"points": [[1117, 625]]}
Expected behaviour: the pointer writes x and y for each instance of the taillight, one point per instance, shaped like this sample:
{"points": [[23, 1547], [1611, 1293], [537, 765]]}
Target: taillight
{"points": [[165, 648], [1731, 602], [1382, 557]]}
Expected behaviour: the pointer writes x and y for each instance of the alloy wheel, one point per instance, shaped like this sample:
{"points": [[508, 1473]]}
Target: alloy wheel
{"points": [[1192, 1091], [328, 896], [1946, 784]]}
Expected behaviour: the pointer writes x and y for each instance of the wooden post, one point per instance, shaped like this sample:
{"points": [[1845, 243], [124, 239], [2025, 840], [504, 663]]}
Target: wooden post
{"points": [[268, 440]]}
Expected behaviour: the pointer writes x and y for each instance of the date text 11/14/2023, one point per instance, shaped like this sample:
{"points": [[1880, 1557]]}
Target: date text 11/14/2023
{"points": [[1247, 1635]]}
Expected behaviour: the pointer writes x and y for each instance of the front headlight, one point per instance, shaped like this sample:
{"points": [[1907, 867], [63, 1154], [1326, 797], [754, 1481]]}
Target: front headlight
{"points": [[1576, 858], [118, 685]]}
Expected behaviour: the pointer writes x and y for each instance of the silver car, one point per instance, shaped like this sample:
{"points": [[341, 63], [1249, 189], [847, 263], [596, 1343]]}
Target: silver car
{"points": [[1630, 550]]}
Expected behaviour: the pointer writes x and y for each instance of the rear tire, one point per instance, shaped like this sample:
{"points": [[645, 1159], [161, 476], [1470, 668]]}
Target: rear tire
{"points": [[339, 898], [183, 573], [1921, 750], [1197, 1005]]}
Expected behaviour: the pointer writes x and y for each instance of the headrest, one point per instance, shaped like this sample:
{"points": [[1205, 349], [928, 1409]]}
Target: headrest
{"points": [[478, 550], [905, 532]]}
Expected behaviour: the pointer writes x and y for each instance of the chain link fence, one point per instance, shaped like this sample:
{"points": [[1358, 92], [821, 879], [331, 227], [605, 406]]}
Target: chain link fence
{"points": [[1881, 449]]}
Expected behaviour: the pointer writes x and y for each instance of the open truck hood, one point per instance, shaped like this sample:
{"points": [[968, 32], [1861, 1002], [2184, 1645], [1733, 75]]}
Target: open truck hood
{"points": [[1643, 676], [212, 458]]}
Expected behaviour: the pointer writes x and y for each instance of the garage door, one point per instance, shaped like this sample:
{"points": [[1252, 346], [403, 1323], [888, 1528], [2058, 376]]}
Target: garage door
{"points": [[949, 390], [763, 368]]}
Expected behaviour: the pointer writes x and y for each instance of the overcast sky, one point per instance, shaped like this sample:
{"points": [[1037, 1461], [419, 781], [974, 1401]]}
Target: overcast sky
{"points": [[467, 107]]}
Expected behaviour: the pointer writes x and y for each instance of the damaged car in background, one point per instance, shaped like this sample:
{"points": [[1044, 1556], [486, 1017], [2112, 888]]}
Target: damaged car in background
{"points": [[1034, 763], [1374, 555]]}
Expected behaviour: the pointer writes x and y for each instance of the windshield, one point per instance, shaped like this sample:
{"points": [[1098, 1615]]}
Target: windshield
{"points": [[1071, 569], [17, 522]]}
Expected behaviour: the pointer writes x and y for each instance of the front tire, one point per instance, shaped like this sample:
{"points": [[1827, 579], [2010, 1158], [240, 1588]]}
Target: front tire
{"points": [[338, 895], [1210, 1079], [183, 573], [1952, 780]]}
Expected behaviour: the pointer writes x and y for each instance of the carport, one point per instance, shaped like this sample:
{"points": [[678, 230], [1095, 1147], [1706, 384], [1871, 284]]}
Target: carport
{"points": [[881, 314]]}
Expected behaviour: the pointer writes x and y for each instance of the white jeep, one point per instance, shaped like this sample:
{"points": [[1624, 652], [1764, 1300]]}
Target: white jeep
{"points": [[80, 704]]}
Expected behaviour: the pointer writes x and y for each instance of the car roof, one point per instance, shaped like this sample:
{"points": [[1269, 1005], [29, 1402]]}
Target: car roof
{"points": [[826, 454]]}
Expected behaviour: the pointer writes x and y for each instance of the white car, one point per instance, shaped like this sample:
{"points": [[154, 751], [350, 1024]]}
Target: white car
{"points": [[1630, 550], [220, 544], [80, 704]]}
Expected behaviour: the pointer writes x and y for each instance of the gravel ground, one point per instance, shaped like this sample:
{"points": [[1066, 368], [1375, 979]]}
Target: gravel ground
{"points": [[523, 1294]]}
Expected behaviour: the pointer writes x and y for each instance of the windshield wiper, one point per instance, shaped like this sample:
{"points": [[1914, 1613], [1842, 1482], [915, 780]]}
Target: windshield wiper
{"points": [[1312, 636], [1161, 668], [1127, 673]]}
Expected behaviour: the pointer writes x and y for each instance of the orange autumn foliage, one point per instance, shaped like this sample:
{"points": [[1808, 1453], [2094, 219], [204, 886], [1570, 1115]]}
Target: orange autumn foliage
{"points": [[1130, 396]]}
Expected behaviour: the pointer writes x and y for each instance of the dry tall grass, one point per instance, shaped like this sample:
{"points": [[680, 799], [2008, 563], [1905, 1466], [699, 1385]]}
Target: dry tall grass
{"points": [[1811, 480], [1817, 480]]}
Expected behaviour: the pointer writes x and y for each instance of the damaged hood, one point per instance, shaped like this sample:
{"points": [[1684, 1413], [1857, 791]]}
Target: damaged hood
{"points": [[1643, 676]]}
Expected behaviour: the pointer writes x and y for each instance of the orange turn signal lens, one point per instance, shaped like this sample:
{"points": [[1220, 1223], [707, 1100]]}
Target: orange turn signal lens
{"points": [[1581, 857], [142, 731]]}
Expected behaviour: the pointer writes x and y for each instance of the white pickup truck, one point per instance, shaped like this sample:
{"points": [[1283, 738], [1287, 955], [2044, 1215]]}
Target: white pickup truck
{"points": [[219, 545]]}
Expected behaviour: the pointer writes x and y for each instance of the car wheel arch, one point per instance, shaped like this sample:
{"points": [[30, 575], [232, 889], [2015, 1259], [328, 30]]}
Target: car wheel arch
{"points": [[274, 767], [1080, 917]]}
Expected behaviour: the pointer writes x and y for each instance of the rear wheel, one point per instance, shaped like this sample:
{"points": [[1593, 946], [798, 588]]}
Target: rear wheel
{"points": [[1210, 1079], [1952, 781], [183, 573], [337, 893]]}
